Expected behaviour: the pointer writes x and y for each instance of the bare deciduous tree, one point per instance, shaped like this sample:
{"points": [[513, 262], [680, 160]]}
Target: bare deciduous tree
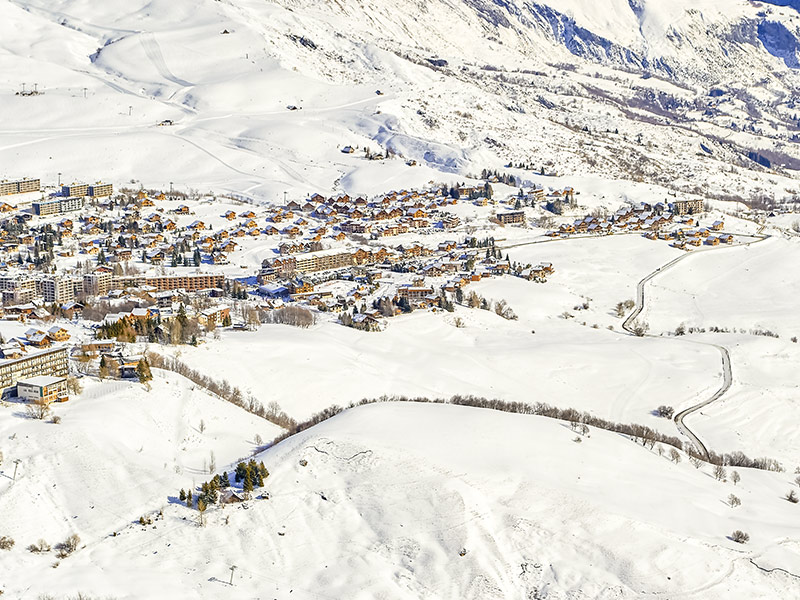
{"points": [[719, 472], [674, 455], [38, 408], [68, 546], [740, 537], [74, 385], [665, 411], [296, 316], [733, 501], [39, 547], [735, 478]]}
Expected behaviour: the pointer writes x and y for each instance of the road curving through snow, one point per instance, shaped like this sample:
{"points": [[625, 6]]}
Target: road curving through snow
{"points": [[727, 369]]}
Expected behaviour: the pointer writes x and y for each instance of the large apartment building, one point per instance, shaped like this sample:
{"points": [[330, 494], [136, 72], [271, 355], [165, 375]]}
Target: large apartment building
{"points": [[17, 290], [100, 189], [322, 260], [56, 206], [511, 218], [57, 289], [75, 189], [20, 186], [163, 283], [48, 362], [98, 283], [687, 207]]}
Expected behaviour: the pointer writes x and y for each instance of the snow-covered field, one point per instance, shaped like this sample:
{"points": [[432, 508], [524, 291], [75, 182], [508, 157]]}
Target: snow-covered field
{"points": [[393, 492], [404, 500], [118, 451], [608, 374], [753, 287], [758, 413], [392, 495]]}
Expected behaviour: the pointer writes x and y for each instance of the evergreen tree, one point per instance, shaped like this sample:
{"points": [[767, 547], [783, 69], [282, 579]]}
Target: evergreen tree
{"points": [[182, 318], [189, 499], [201, 507], [103, 367], [247, 485], [263, 469], [241, 471], [143, 370], [224, 481], [182, 496]]}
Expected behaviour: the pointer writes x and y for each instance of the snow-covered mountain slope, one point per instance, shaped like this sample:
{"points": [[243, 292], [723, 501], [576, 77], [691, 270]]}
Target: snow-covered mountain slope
{"points": [[613, 87], [117, 449], [431, 501]]}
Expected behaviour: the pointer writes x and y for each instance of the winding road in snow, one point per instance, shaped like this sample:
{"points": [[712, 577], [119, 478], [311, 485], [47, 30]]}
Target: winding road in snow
{"points": [[727, 369]]}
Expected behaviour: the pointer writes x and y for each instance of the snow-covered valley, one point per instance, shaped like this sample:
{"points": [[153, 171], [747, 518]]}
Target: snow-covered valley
{"points": [[220, 121]]}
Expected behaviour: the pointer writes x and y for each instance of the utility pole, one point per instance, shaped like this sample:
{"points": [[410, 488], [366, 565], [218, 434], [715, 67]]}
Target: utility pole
{"points": [[233, 568], [35, 88], [170, 187], [284, 198], [59, 179], [23, 89], [16, 464], [130, 110], [84, 92]]}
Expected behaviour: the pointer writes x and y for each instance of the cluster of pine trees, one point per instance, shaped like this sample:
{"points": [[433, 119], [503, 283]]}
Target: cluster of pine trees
{"points": [[238, 291], [349, 320], [250, 475], [484, 191], [181, 330], [506, 178], [126, 330], [179, 259], [474, 242]]}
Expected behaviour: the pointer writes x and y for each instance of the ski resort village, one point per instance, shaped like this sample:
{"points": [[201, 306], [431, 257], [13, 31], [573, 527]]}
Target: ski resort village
{"points": [[452, 299]]}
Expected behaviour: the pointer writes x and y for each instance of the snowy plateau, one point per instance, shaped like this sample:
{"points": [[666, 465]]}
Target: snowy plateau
{"points": [[400, 299]]}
